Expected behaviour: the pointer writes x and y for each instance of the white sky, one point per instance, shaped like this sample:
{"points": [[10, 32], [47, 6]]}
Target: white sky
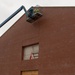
{"points": [[7, 7]]}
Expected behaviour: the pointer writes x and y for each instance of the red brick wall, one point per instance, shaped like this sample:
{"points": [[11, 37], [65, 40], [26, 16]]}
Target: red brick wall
{"points": [[55, 33]]}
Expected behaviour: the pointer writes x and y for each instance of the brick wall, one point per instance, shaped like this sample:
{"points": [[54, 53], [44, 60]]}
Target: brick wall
{"points": [[55, 33]]}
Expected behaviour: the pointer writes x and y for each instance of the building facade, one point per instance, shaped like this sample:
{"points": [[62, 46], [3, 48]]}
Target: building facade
{"points": [[51, 39]]}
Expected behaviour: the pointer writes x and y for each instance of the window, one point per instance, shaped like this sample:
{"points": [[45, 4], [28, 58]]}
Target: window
{"points": [[31, 52], [29, 73]]}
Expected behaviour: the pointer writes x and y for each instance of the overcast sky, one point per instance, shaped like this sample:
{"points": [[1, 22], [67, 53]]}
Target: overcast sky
{"points": [[7, 7]]}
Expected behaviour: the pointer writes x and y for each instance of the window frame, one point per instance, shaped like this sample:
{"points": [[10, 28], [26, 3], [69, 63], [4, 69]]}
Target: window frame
{"points": [[23, 47]]}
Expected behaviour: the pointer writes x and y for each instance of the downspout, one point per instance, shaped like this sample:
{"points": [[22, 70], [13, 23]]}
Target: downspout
{"points": [[11, 16]]}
